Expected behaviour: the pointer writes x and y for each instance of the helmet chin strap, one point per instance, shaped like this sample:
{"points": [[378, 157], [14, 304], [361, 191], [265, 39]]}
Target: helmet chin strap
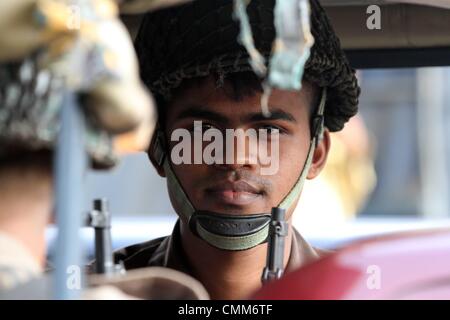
{"points": [[228, 231]]}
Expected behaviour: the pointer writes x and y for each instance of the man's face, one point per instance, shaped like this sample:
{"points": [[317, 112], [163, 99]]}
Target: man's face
{"points": [[241, 188]]}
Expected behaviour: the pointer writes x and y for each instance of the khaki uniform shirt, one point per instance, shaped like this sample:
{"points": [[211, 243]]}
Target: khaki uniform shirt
{"points": [[168, 252], [17, 265]]}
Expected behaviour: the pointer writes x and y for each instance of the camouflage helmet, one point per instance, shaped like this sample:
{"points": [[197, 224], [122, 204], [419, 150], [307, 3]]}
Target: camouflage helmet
{"points": [[30, 104], [199, 38]]}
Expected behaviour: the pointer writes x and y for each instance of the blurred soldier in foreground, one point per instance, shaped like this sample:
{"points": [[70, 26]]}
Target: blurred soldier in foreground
{"points": [[51, 48]]}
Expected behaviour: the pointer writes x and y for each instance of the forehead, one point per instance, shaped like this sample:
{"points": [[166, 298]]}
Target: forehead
{"points": [[205, 94]]}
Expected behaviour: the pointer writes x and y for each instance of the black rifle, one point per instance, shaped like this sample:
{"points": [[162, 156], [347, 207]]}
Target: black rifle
{"points": [[100, 219], [278, 230]]}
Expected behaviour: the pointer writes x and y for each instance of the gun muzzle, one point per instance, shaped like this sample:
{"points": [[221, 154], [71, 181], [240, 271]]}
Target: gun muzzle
{"points": [[100, 220], [275, 250]]}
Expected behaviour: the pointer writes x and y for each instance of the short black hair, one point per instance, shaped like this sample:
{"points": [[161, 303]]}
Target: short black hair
{"points": [[24, 160]]}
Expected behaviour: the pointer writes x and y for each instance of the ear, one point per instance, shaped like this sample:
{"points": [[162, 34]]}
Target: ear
{"points": [[153, 153], [320, 155]]}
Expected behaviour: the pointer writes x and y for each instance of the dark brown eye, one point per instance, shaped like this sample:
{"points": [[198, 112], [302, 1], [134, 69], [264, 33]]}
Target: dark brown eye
{"points": [[271, 129], [203, 127]]}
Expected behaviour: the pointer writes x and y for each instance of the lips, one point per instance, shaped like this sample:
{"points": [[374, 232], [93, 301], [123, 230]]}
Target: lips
{"points": [[238, 193]]}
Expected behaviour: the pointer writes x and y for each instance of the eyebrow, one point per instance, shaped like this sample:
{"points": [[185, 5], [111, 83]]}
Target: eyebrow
{"points": [[196, 111], [203, 112], [275, 114]]}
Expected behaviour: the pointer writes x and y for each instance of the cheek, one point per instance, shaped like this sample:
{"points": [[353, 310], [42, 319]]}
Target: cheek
{"points": [[191, 176], [292, 158], [185, 173]]}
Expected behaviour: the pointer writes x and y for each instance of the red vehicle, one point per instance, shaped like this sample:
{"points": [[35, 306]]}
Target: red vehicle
{"points": [[402, 266]]}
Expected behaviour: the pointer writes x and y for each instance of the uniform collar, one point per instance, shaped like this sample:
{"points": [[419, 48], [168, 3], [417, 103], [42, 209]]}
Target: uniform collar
{"points": [[174, 257], [17, 265]]}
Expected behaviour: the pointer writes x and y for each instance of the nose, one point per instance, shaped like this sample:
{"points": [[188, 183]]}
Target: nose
{"points": [[240, 151], [235, 166]]}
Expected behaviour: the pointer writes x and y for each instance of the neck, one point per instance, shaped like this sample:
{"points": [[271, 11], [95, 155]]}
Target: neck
{"points": [[227, 275], [31, 237]]}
